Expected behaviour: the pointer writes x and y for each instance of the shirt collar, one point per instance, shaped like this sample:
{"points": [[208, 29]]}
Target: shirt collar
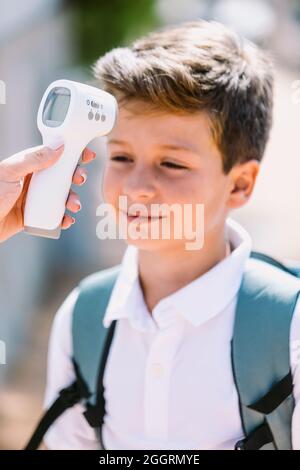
{"points": [[196, 302], [126, 300]]}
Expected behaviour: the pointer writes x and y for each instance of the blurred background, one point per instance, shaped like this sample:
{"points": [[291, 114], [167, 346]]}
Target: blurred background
{"points": [[44, 40]]}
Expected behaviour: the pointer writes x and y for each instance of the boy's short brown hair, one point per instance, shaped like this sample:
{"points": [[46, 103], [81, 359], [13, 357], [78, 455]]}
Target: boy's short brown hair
{"points": [[199, 66]]}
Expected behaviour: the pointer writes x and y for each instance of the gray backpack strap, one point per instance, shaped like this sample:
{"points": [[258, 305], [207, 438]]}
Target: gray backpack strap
{"points": [[88, 332], [91, 341], [261, 356]]}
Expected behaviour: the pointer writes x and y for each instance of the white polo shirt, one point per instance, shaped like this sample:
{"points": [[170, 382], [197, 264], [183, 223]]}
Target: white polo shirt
{"points": [[168, 377]]}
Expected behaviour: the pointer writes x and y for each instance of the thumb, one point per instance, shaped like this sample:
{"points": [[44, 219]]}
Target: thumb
{"points": [[23, 163]]}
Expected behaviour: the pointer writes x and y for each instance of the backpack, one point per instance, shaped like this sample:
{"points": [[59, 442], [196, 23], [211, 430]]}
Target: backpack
{"points": [[260, 354]]}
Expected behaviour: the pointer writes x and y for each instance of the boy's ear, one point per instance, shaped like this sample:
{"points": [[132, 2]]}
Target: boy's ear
{"points": [[242, 182]]}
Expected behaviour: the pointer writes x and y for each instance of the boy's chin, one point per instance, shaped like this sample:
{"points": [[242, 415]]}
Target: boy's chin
{"points": [[156, 245]]}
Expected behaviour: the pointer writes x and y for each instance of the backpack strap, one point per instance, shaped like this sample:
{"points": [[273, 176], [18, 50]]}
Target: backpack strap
{"points": [[261, 355], [91, 341], [274, 262], [88, 332], [67, 398]]}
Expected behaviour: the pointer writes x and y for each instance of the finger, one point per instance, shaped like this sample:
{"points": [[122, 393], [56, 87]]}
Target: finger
{"points": [[88, 155], [67, 222], [23, 163], [80, 176], [73, 203]]}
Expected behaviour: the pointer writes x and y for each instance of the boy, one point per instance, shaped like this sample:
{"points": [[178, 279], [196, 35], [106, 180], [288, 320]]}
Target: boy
{"points": [[195, 114]]}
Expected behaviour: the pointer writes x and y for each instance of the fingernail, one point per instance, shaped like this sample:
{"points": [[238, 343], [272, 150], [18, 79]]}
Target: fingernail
{"points": [[78, 203], [83, 178], [73, 220], [94, 154]]}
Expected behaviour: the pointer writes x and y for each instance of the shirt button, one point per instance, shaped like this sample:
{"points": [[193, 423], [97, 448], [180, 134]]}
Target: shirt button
{"points": [[157, 369]]}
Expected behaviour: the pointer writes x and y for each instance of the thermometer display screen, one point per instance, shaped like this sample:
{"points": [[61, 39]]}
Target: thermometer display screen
{"points": [[56, 106]]}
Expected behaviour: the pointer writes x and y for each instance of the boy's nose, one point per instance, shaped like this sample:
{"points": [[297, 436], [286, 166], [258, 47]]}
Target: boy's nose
{"points": [[140, 185]]}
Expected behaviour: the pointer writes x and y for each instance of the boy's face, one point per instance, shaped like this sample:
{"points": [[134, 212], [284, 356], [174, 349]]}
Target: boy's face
{"points": [[165, 158]]}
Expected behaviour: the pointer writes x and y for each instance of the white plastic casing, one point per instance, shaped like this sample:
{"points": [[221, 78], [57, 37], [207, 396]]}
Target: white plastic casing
{"points": [[91, 113]]}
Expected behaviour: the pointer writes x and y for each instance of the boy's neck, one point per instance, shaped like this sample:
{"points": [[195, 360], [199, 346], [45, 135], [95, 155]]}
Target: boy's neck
{"points": [[163, 273]]}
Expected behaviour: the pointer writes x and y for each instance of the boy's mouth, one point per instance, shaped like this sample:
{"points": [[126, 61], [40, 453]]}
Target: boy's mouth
{"points": [[138, 217]]}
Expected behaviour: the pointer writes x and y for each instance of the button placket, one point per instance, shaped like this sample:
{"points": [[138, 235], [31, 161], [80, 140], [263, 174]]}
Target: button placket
{"points": [[157, 379]]}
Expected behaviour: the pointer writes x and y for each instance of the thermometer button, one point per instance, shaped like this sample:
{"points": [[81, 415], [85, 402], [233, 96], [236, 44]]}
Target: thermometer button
{"points": [[90, 115], [97, 116]]}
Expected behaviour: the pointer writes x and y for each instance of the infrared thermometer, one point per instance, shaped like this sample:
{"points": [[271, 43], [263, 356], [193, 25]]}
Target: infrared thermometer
{"points": [[72, 114]]}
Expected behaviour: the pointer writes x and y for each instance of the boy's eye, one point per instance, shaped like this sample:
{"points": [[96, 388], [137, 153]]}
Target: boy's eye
{"points": [[174, 165], [120, 158]]}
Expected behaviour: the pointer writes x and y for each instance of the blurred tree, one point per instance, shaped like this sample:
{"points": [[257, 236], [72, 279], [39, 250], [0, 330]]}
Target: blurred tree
{"points": [[101, 25]]}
